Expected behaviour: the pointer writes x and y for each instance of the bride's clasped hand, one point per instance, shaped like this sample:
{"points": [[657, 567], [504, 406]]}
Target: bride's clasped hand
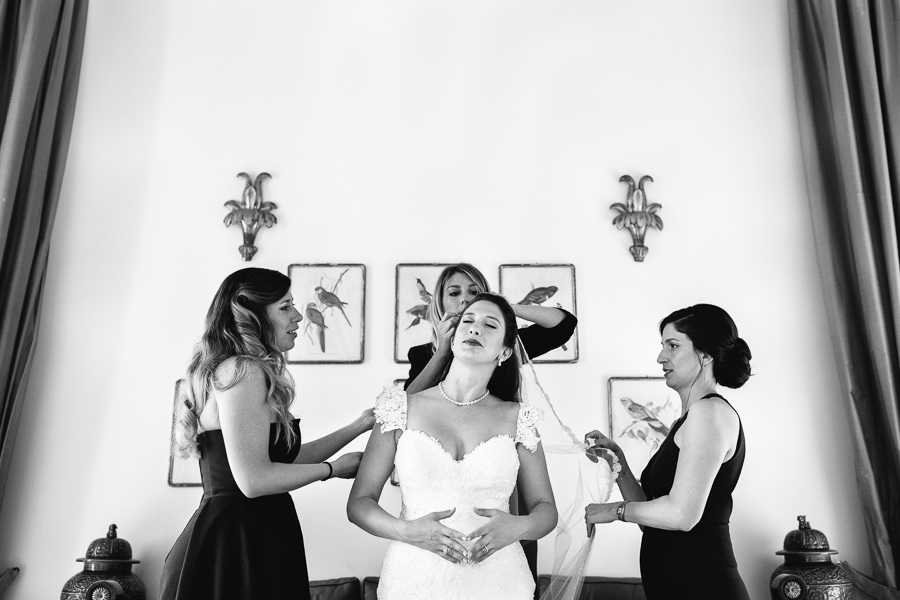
{"points": [[428, 533]]}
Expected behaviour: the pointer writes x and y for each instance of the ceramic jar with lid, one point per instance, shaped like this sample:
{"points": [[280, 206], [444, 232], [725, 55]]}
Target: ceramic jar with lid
{"points": [[107, 572], [808, 571]]}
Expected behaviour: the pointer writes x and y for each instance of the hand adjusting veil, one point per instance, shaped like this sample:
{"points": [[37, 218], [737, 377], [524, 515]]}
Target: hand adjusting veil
{"points": [[566, 457]]}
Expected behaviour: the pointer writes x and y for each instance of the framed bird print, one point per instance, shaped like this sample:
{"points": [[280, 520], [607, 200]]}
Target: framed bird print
{"points": [[547, 285], [641, 413], [332, 300], [415, 283], [183, 472]]}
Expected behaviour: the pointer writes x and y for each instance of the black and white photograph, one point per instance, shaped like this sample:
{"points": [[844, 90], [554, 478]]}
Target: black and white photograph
{"points": [[661, 208]]}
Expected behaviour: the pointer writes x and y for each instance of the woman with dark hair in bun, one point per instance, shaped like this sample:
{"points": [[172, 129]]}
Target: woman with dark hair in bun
{"points": [[683, 501]]}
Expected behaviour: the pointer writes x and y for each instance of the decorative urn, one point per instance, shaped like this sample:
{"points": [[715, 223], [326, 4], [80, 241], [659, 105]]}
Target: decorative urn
{"points": [[808, 571], [107, 572]]}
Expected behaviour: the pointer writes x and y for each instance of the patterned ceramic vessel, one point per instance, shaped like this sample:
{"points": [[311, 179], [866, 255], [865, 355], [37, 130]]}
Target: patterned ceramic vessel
{"points": [[808, 572], [107, 573]]}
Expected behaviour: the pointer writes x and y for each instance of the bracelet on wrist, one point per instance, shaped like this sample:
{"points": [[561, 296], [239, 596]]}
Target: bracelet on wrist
{"points": [[620, 511], [330, 470]]}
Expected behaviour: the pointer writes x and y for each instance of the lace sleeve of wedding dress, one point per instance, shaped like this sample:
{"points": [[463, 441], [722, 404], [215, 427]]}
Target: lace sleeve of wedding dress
{"points": [[526, 427], [566, 457], [390, 409]]}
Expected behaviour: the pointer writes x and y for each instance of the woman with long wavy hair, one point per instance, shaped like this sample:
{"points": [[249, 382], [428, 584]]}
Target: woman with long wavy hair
{"points": [[233, 413]]}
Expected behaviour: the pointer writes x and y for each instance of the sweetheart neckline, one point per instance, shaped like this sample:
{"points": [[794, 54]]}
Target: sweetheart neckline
{"points": [[438, 443]]}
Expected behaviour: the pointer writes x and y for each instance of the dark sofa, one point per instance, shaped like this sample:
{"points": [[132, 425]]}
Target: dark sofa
{"points": [[595, 588]]}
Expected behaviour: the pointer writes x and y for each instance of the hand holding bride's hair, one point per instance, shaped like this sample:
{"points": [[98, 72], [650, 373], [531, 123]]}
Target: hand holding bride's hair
{"points": [[427, 532], [501, 530], [445, 330]]}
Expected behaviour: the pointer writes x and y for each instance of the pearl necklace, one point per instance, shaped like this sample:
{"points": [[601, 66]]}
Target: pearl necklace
{"points": [[452, 401]]}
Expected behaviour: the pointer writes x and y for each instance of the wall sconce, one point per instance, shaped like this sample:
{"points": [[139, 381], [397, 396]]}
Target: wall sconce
{"points": [[636, 216], [251, 212]]}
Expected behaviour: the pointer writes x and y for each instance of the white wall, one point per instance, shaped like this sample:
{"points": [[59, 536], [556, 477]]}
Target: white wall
{"points": [[489, 132]]}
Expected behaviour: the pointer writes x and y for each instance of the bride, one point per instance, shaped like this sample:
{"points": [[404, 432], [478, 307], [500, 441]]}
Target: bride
{"points": [[459, 448]]}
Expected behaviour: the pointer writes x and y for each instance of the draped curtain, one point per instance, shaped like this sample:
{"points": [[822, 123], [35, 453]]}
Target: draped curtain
{"points": [[41, 43], [846, 66]]}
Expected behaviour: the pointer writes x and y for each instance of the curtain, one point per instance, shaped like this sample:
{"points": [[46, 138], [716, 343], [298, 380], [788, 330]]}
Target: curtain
{"points": [[41, 43], [846, 66]]}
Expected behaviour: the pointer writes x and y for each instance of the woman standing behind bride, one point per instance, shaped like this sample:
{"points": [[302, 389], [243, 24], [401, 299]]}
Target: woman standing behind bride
{"points": [[459, 449]]}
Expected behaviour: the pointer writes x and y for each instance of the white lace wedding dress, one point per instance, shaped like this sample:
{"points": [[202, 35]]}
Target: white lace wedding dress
{"points": [[432, 480]]}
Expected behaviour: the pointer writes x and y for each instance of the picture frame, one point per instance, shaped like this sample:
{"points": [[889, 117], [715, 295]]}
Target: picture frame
{"points": [[183, 472], [332, 299], [414, 284], [550, 285], [641, 413]]}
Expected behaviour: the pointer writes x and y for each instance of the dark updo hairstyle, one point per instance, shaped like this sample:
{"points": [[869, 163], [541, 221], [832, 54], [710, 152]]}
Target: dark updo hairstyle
{"points": [[505, 379], [713, 332]]}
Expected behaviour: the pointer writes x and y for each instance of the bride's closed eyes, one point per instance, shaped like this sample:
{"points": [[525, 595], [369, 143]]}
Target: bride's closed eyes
{"points": [[489, 322]]}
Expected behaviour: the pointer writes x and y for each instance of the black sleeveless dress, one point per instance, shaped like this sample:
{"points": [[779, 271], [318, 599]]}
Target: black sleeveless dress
{"points": [[234, 547], [699, 563]]}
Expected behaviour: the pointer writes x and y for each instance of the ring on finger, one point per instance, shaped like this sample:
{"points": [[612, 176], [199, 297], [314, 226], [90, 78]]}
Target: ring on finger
{"points": [[485, 548], [445, 550]]}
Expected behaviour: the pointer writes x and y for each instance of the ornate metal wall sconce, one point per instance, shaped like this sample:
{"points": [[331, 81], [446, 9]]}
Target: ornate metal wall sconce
{"points": [[251, 212], [636, 215]]}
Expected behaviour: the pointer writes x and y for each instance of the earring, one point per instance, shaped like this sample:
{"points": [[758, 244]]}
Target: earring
{"points": [[499, 362]]}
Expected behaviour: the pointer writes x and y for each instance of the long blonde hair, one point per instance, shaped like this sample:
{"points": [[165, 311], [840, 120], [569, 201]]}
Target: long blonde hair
{"points": [[236, 327]]}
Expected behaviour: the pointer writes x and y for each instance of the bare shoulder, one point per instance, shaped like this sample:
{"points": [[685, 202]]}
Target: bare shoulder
{"points": [[426, 393], [237, 376], [511, 408], [715, 405], [423, 398], [712, 412], [423, 403], [509, 411], [238, 367]]}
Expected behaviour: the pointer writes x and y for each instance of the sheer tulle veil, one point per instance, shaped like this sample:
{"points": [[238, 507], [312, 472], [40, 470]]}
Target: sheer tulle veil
{"points": [[566, 461]]}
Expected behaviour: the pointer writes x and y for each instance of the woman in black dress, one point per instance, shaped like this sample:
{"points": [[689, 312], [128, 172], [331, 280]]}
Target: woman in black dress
{"points": [[456, 286], [683, 502], [244, 541]]}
